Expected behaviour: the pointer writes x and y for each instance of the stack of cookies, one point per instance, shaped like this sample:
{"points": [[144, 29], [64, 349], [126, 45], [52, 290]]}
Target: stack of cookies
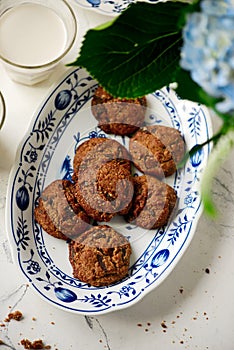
{"points": [[103, 187]]}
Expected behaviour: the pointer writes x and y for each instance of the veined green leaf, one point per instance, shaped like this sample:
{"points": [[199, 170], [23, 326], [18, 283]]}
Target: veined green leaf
{"points": [[139, 52]]}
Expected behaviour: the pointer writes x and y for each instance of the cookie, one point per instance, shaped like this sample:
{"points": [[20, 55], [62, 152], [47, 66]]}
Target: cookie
{"points": [[157, 150], [96, 151], [100, 256], [152, 204], [58, 211], [119, 116], [105, 190]]}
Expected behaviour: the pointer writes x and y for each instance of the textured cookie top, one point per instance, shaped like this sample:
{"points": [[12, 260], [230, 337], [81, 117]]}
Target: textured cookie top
{"points": [[157, 149], [119, 116], [94, 152], [152, 204], [58, 211], [105, 191], [100, 256]]}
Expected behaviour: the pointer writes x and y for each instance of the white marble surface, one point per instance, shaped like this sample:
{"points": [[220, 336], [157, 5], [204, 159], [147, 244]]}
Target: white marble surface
{"points": [[195, 302]]}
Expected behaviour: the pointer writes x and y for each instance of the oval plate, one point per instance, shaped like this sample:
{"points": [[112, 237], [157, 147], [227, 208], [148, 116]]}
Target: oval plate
{"points": [[62, 122]]}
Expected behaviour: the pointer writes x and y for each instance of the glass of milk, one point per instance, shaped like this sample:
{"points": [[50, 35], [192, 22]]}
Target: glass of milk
{"points": [[35, 35]]}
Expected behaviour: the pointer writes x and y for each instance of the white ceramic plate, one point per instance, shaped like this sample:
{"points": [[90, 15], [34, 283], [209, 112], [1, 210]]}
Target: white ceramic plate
{"points": [[109, 7], [61, 123]]}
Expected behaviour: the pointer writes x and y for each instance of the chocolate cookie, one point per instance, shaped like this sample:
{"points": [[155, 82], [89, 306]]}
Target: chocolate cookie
{"points": [[118, 116], [152, 204], [157, 150], [58, 211], [100, 256], [105, 190], [96, 151]]}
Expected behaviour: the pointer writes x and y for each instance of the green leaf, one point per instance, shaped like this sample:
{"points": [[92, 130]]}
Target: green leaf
{"points": [[138, 52], [104, 25]]}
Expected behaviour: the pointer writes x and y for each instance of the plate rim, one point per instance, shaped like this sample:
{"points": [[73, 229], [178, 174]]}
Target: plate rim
{"points": [[101, 11]]}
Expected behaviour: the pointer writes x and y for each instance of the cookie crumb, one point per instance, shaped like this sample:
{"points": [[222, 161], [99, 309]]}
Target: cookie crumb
{"points": [[36, 344], [163, 324], [16, 315]]}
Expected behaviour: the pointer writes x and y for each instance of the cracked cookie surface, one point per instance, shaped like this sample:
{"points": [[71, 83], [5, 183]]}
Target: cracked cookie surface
{"points": [[105, 191], [97, 151], [152, 204], [157, 150], [100, 256], [119, 116], [58, 211], [103, 181]]}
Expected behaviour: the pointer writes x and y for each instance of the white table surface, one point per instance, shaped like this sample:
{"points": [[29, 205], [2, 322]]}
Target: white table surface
{"points": [[195, 302]]}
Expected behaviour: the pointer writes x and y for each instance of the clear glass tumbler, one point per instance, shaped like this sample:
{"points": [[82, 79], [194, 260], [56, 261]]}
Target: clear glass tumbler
{"points": [[35, 35]]}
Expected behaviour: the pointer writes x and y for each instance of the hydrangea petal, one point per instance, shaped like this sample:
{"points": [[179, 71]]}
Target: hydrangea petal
{"points": [[208, 50]]}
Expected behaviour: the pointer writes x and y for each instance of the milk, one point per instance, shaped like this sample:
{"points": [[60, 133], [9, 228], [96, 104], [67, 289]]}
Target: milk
{"points": [[31, 35]]}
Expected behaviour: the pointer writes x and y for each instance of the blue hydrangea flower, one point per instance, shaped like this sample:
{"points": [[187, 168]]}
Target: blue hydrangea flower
{"points": [[214, 7], [208, 50]]}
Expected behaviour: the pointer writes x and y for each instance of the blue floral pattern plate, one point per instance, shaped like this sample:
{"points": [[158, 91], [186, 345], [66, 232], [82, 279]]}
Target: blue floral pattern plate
{"points": [[62, 122], [108, 7]]}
